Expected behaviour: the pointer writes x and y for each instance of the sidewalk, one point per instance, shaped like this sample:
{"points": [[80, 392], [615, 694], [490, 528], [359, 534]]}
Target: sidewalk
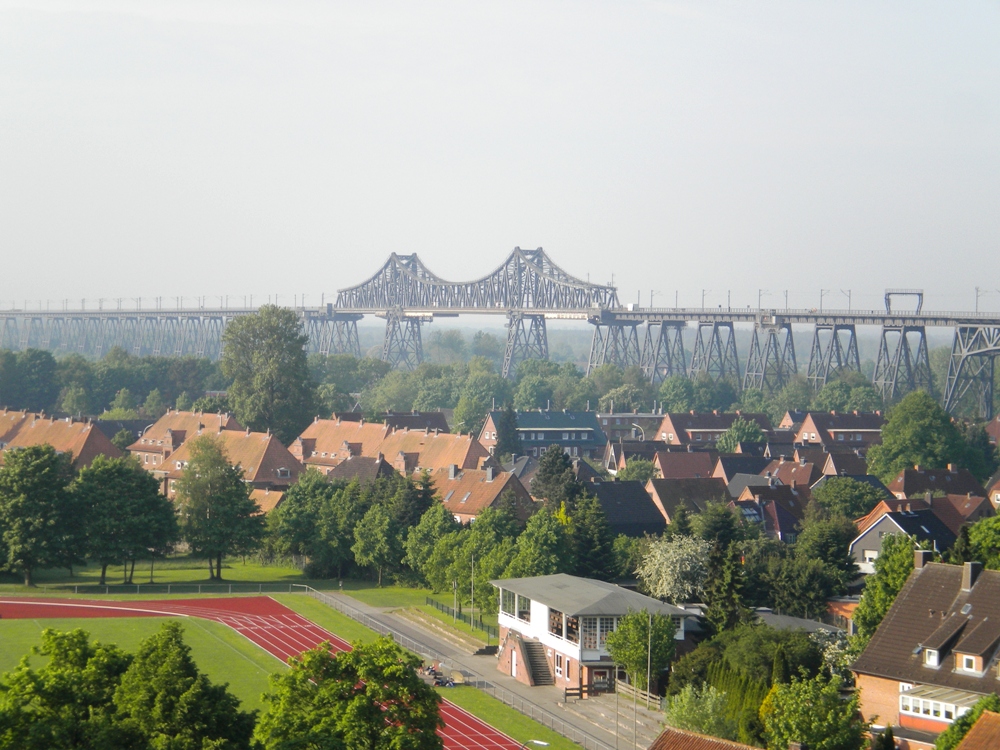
{"points": [[594, 716]]}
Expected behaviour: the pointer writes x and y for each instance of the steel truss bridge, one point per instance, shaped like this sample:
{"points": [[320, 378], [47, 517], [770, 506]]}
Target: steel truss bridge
{"points": [[529, 289]]}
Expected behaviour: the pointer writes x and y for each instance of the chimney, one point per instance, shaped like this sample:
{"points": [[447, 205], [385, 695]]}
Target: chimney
{"points": [[452, 471], [970, 572], [907, 507], [952, 468], [489, 473], [921, 557]]}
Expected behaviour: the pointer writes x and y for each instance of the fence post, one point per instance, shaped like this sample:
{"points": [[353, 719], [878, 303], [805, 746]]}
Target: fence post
{"points": [[230, 588], [199, 588]]}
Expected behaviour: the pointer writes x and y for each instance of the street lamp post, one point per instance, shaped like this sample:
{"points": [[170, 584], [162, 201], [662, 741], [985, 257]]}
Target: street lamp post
{"points": [[639, 427]]}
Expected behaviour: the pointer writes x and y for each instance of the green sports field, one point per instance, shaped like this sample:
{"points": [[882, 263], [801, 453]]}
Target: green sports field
{"points": [[220, 652]]}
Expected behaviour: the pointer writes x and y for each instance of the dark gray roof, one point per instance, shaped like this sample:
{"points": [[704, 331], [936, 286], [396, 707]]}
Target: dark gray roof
{"points": [[925, 526], [556, 420], [628, 507], [786, 622], [743, 464], [741, 481], [576, 596]]}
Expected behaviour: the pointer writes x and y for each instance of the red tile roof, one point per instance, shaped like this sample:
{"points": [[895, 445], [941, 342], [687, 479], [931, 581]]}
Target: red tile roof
{"points": [[685, 465], [267, 499], [169, 432], [951, 481], [793, 473], [264, 460], [678, 739], [432, 451], [327, 442], [81, 440], [470, 491], [984, 735]]}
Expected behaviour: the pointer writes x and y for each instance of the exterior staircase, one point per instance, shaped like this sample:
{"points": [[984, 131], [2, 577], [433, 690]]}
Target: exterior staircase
{"points": [[535, 654]]}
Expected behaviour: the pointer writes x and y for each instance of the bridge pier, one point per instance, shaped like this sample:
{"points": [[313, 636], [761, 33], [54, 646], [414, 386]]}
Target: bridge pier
{"points": [[831, 357], [403, 346], [614, 343], [971, 368], [663, 351], [527, 338], [898, 370], [714, 356], [771, 362]]}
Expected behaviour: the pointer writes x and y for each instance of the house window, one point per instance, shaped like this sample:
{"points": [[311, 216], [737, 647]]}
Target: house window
{"points": [[840, 436], [949, 713], [565, 436], [556, 622], [572, 630], [523, 608], [576, 451], [559, 665], [697, 436], [508, 601], [607, 626], [663, 436], [931, 658], [569, 668], [466, 497], [969, 663], [871, 555], [284, 473], [589, 626]]}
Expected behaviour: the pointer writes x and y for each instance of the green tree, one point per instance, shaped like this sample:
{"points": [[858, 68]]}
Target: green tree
{"points": [[38, 387], [592, 542], [264, 356], [828, 540], [163, 695], [125, 516], [846, 497], [980, 454], [700, 709], [920, 432], [75, 401], [369, 698], [800, 586], [677, 394], [892, 567], [628, 553], [508, 438], [154, 406], [68, 702], [984, 542], [338, 519], [542, 548], [123, 439], [123, 401], [811, 712], [717, 524], [212, 405], [555, 482], [953, 735], [217, 516], [420, 541], [675, 568], [740, 431], [681, 523], [624, 398], [834, 396], [376, 542], [642, 640], [639, 470], [39, 515], [183, 402], [724, 590]]}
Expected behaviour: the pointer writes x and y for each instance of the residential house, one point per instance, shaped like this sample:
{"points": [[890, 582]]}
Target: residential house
{"points": [[845, 464], [468, 492], [11, 421], [267, 499], [841, 430], [362, 469], [868, 479], [681, 739], [984, 734], [629, 425], [993, 429], [792, 420], [729, 466], [266, 463], [434, 421], [922, 524], [702, 428], [779, 507], [168, 433], [618, 452], [82, 440], [553, 629], [629, 508], [794, 473], [920, 480], [685, 464], [327, 442], [954, 511], [741, 481], [993, 489], [694, 494], [578, 433], [413, 451], [935, 653]]}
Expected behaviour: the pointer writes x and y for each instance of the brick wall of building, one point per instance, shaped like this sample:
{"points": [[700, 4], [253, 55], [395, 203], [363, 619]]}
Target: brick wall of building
{"points": [[509, 646], [879, 699]]}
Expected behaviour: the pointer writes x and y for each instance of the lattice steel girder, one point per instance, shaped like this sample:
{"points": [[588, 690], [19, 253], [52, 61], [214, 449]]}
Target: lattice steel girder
{"points": [[527, 338], [897, 370], [714, 356], [771, 362], [831, 356], [527, 280], [403, 346], [614, 343], [972, 365], [663, 352]]}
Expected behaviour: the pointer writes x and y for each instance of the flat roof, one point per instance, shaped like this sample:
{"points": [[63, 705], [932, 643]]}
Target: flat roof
{"points": [[576, 596]]}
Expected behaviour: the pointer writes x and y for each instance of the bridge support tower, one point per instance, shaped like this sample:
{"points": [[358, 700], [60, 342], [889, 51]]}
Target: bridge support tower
{"points": [[403, 346], [831, 354], [971, 368], [614, 343], [898, 370], [715, 352], [334, 335], [663, 352], [526, 339], [771, 363]]}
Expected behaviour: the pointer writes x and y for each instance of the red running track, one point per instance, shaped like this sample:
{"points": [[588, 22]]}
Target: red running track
{"points": [[274, 627]]}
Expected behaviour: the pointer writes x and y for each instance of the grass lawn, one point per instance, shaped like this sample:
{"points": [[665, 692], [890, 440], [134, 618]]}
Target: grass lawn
{"points": [[387, 596], [457, 625], [504, 718], [219, 651], [327, 617]]}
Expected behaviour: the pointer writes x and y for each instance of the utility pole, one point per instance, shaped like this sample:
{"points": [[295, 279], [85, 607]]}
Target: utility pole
{"points": [[980, 293], [847, 294], [822, 293], [649, 654]]}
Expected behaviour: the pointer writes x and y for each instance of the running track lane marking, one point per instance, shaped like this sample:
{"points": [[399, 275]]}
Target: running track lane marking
{"points": [[272, 626]]}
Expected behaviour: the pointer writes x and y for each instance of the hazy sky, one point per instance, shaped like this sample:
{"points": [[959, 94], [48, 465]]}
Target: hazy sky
{"points": [[208, 148]]}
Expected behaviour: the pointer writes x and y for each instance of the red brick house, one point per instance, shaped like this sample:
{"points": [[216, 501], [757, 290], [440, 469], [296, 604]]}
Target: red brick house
{"points": [[918, 481], [82, 440], [468, 492], [935, 653], [169, 432], [840, 430], [702, 428]]}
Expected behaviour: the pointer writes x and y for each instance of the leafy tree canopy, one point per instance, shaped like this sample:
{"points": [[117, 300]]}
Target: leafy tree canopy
{"points": [[740, 431]]}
